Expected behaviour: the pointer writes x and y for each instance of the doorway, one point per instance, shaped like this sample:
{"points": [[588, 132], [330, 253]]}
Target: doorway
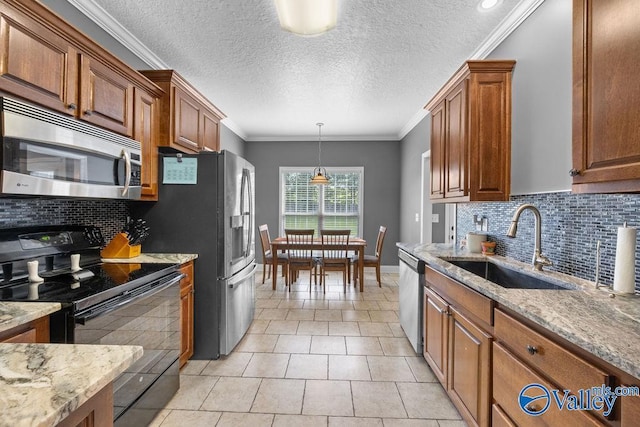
{"points": [[437, 221]]}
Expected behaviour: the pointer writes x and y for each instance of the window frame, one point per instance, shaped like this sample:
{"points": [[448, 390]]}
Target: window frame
{"points": [[330, 171]]}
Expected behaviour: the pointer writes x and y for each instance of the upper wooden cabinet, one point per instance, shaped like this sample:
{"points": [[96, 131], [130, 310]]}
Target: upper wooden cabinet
{"points": [[471, 134], [188, 121], [606, 120]]}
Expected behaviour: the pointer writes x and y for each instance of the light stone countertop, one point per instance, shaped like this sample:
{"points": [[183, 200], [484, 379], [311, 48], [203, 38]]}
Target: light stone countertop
{"points": [[151, 258], [14, 314], [41, 384], [607, 327]]}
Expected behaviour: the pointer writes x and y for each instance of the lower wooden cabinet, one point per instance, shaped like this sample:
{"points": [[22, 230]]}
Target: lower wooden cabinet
{"points": [[95, 412], [186, 313], [36, 331], [436, 334]]}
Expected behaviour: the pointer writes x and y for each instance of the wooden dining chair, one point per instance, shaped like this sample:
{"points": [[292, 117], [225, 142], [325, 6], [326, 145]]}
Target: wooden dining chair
{"points": [[335, 257], [300, 254], [267, 256], [372, 260]]}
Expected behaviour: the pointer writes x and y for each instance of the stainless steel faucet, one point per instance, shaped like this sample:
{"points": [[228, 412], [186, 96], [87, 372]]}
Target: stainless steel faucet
{"points": [[539, 260]]}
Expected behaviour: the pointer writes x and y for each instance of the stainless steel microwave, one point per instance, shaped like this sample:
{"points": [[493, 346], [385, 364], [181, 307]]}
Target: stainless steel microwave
{"points": [[49, 154]]}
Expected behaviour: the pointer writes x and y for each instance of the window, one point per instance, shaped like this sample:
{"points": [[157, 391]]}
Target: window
{"points": [[337, 205]]}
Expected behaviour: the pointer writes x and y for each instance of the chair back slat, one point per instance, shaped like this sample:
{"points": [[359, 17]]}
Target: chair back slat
{"points": [[265, 239], [335, 244], [380, 241], [299, 244]]}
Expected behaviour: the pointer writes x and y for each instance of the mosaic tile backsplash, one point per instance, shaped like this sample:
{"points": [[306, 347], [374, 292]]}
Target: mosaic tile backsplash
{"points": [[571, 226], [108, 215]]}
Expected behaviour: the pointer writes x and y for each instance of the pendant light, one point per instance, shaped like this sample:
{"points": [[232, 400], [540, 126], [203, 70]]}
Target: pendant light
{"points": [[307, 17], [319, 173]]}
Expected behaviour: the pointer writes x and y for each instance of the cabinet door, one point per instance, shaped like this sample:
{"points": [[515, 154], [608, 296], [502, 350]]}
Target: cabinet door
{"points": [[145, 132], [630, 408], [469, 368], [456, 156], [186, 314], [606, 120], [210, 132], [36, 64], [438, 135], [186, 116], [106, 97], [436, 334]]}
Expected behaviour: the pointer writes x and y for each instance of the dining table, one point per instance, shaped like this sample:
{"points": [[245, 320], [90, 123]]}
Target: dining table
{"points": [[356, 244]]}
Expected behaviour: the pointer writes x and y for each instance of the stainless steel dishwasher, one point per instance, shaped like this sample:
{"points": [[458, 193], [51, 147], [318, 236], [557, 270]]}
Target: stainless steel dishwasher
{"points": [[410, 298]]}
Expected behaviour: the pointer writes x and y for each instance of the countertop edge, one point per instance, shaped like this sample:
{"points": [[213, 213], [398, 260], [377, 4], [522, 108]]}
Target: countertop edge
{"points": [[155, 258], [13, 314]]}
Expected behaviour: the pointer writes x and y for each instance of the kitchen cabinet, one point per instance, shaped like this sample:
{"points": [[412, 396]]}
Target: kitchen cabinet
{"points": [[186, 313], [630, 407], [471, 134], [188, 121], [606, 123], [36, 331], [95, 412], [457, 344], [146, 132]]}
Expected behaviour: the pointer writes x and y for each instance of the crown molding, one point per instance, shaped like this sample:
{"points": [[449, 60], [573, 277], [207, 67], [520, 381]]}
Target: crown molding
{"points": [[417, 117], [233, 127], [105, 21], [305, 138]]}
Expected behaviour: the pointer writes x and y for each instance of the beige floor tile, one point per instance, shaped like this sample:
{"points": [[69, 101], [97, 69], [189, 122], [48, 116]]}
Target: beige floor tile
{"points": [[159, 418], [300, 314], [354, 422], [268, 303], [399, 422], [293, 344], [257, 343], [366, 305], [316, 304], [383, 316], [267, 365], [232, 365], [344, 329], [258, 326], [299, 420], [230, 419], [328, 345], [368, 295], [296, 303], [363, 346], [396, 346], [452, 423], [194, 389], [279, 396], [313, 327], [396, 329], [421, 370], [322, 397], [232, 394], [273, 314], [375, 329], [355, 315], [385, 368], [348, 368], [308, 366], [194, 367], [180, 418], [388, 305], [340, 305], [377, 399], [392, 296], [329, 315], [427, 400], [265, 293], [282, 327]]}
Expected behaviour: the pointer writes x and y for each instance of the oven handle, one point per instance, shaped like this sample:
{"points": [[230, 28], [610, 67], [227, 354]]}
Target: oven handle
{"points": [[125, 299]]}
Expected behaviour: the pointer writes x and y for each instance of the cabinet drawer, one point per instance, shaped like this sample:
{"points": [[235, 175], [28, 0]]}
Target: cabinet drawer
{"points": [[629, 409], [510, 376], [560, 365], [499, 418], [461, 296]]}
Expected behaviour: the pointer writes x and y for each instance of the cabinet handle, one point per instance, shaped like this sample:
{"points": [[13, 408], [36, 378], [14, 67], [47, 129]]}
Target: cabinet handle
{"points": [[574, 172], [72, 106], [88, 112], [532, 349]]}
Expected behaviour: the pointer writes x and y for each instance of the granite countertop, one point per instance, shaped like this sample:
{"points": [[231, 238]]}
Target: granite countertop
{"points": [[151, 258], [590, 318], [41, 384], [14, 314]]}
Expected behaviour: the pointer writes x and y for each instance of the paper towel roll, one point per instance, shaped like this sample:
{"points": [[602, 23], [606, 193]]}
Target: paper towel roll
{"points": [[473, 242], [624, 276]]}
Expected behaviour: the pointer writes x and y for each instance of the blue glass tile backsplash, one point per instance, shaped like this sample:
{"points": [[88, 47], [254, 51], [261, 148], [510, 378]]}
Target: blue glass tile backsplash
{"points": [[571, 226]]}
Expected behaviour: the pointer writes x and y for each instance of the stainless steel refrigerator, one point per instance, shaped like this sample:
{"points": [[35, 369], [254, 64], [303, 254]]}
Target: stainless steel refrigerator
{"points": [[206, 206]]}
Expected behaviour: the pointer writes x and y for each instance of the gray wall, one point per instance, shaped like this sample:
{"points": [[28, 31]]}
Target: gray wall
{"points": [[381, 162], [230, 141], [541, 103]]}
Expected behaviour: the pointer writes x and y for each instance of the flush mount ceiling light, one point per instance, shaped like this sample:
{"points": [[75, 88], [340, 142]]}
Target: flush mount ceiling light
{"points": [[307, 17], [319, 173], [488, 4]]}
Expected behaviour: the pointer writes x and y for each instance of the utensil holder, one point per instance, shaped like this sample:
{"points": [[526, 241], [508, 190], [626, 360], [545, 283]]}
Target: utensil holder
{"points": [[119, 247]]}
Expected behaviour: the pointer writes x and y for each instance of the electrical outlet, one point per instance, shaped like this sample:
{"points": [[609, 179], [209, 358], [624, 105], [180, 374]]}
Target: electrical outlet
{"points": [[417, 217]]}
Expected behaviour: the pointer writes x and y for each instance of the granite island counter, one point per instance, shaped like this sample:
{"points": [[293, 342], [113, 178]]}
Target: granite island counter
{"points": [[589, 318]]}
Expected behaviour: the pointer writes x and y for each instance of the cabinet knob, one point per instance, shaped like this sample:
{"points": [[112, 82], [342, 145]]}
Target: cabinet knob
{"points": [[72, 106], [574, 172], [88, 112], [532, 349]]}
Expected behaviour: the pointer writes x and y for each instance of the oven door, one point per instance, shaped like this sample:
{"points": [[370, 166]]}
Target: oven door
{"points": [[148, 316]]}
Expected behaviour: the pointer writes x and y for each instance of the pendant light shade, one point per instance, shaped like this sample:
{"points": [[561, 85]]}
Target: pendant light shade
{"points": [[320, 173], [307, 17]]}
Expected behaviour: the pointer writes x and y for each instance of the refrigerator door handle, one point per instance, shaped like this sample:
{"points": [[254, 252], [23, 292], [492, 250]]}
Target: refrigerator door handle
{"points": [[250, 211], [233, 281], [246, 185]]}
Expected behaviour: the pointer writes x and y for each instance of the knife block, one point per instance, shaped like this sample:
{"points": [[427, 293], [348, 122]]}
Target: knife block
{"points": [[119, 247]]}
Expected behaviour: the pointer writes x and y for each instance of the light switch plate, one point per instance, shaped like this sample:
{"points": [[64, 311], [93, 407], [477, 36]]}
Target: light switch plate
{"points": [[435, 218]]}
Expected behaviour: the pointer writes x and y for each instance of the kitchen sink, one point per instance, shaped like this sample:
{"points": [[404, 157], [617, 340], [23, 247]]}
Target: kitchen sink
{"points": [[505, 277]]}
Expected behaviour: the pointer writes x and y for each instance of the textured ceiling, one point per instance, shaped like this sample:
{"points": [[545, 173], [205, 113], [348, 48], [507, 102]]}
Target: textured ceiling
{"points": [[367, 79]]}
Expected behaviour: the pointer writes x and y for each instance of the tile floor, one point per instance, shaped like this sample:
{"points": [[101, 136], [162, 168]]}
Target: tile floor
{"points": [[316, 359]]}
